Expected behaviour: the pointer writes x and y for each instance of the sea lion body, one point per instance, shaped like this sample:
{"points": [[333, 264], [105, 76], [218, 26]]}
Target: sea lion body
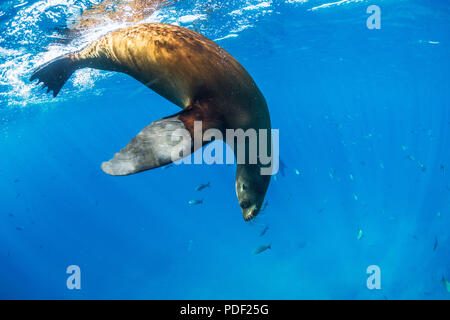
{"points": [[183, 67], [189, 70]]}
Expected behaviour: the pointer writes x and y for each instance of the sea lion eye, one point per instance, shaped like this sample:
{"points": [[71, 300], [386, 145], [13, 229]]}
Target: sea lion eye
{"points": [[244, 187]]}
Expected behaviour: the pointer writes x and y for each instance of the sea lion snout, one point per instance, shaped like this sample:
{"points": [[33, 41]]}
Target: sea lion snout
{"points": [[250, 213]]}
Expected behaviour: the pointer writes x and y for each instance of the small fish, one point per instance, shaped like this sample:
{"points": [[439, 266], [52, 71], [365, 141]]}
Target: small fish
{"points": [[422, 166], [435, 244], [331, 173], [19, 228], [360, 234], [195, 202], [264, 231], [355, 196], [203, 186], [297, 172], [262, 249], [404, 148], [410, 157], [168, 166], [443, 168], [351, 177], [446, 284], [16, 180], [381, 165]]}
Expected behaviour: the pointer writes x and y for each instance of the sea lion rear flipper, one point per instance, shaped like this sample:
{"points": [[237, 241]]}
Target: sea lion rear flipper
{"points": [[160, 143], [55, 73]]}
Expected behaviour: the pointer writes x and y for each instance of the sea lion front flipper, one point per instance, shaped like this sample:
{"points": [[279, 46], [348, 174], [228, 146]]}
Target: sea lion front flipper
{"points": [[160, 143]]}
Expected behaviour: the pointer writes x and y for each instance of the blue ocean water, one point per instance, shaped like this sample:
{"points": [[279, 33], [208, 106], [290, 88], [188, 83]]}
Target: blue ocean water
{"points": [[364, 123]]}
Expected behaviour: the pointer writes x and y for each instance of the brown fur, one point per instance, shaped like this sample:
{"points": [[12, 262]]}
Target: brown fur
{"points": [[184, 67]]}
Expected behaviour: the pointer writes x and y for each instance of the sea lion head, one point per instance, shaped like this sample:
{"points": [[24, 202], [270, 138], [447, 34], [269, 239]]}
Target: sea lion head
{"points": [[251, 189]]}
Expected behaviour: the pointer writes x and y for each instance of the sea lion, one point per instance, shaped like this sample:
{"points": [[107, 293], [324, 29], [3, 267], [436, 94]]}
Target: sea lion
{"points": [[130, 11], [189, 70], [110, 11]]}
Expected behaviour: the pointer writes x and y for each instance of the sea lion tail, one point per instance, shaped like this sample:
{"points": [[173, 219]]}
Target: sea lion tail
{"points": [[54, 73]]}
